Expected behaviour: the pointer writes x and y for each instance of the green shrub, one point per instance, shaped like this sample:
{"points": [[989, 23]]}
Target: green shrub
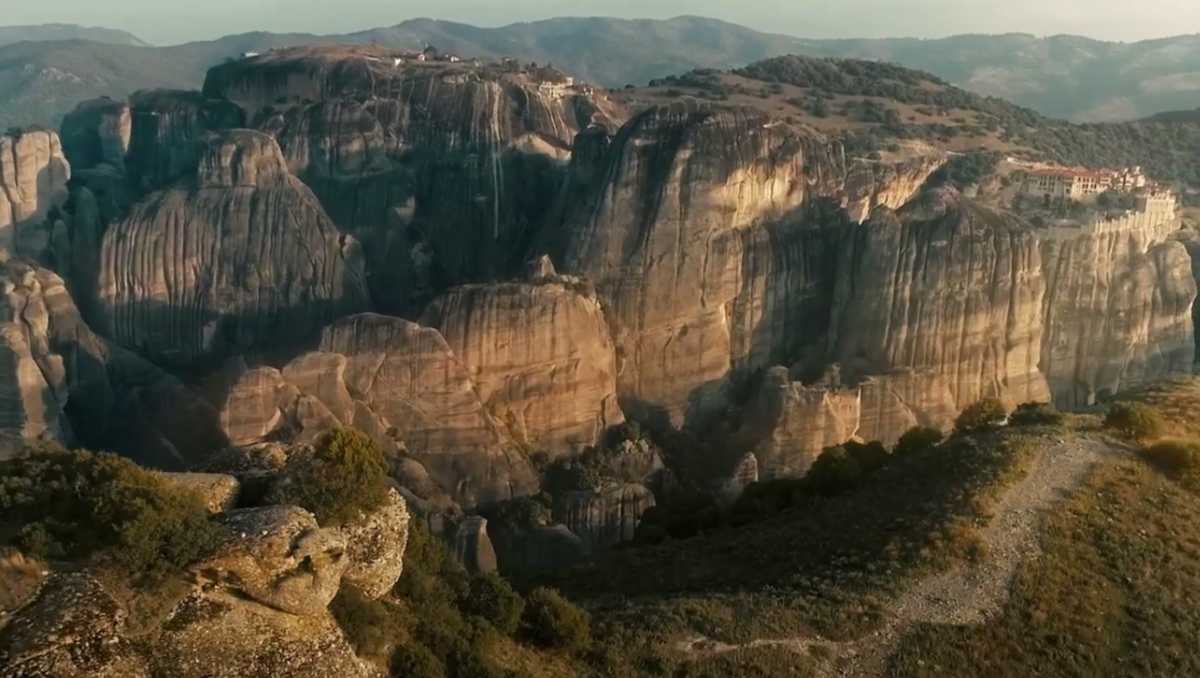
{"points": [[1175, 456], [491, 597], [870, 456], [373, 627], [684, 516], [1036, 414], [767, 497], [412, 660], [64, 504], [552, 621], [431, 575], [836, 470], [917, 440], [984, 415], [1135, 421], [345, 475]]}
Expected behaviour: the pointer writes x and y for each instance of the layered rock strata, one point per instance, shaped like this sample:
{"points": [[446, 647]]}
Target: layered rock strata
{"points": [[443, 171], [540, 356], [238, 259]]}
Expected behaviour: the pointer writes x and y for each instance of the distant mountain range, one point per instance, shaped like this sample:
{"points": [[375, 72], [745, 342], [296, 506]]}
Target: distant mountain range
{"points": [[1068, 77], [45, 32]]}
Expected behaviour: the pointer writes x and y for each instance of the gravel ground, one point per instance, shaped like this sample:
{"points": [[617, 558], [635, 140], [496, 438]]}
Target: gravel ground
{"points": [[969, 593]]}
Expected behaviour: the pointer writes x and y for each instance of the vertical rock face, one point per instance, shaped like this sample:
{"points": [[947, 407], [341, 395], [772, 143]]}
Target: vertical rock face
{"points": [[443, 171], [242, 258], [51, 359], [473, 546], [606, 516], [796, 422], [33, 182], [710, 232], [540, 356], [167, 130], [393, 379], [97, 132], [944, 289], [1117, 312]]}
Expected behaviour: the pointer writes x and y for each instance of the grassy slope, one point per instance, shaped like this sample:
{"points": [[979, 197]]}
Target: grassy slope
{"points": [[1116, 591], [826, 568]]}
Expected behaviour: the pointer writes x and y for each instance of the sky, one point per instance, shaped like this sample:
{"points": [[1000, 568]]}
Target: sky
{"points": [[173, 21]]}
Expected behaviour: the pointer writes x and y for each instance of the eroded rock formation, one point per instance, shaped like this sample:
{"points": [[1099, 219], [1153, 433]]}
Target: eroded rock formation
{"points": [[444, 172], [395, 380], [33, 185], [51, 359], [238, 259], [540, 356], [710, 232]]}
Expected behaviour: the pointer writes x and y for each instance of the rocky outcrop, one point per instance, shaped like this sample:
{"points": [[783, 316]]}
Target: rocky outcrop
{"points": [[396, 381], [167, 133], [540, 356], [218, 491], [947, 289], [63, 382], [98, 132], [710, 233], [473, 547], [280, 557], [72, 628], [33, 185], [606, 516], [444, 171], [238, 260], [79, 625], [375, 544], [790, 423]]}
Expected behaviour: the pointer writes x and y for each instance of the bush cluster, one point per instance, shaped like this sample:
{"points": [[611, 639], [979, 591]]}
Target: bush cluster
{"points": [[1135, 421], [984, 415], [1036, 414], [917, 440], [1177, 457], [442, 623], [553, 622], [345, 475], [62, 504]]}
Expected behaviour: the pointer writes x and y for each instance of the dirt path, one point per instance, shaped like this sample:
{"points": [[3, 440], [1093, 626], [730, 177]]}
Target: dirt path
{"points": [[968, 593]]}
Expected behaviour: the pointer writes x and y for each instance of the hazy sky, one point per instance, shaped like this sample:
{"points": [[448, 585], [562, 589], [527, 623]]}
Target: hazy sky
{"points": [[171, 21]]}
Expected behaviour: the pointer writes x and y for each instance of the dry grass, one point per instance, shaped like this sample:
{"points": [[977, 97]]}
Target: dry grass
{"points": [[1115, 593], [1177, 400], [827, 568]]}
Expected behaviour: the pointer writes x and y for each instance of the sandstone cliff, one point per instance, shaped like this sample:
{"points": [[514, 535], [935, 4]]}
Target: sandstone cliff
{"points": [[540, 356], [1118, 312], [240, 257], [443, 171], [395, 380], [711, 232], [63, 382], [33, 184]]}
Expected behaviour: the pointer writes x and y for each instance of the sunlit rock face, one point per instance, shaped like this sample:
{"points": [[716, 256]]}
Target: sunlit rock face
{"points": [[397, 381], [1118, 313], [711, 232], [445, 172], [540, 355], [948, 290], [33, 185], [238, 258]]}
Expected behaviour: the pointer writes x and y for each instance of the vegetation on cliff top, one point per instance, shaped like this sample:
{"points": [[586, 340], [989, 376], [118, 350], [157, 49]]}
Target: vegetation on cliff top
{"points": [[74, 505]]}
